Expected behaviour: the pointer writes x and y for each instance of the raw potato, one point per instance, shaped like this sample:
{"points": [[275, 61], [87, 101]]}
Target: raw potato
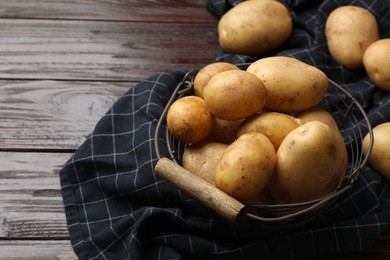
{"points": [[263, 197], [292, 85], [234, 95], [380, 154], [246, 166], [310, 162], [225, 131], [254, 27], [318, 114], [202, 158], [349, 31], [207, 72], [189, 120], [377, 63], [276, 126]]}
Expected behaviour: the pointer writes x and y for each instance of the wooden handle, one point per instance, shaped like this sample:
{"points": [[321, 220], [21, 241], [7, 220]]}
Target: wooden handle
{"points": [[209, 195]]}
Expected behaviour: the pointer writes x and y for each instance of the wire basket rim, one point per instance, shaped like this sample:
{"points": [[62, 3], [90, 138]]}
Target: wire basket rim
{"points": [[186, 86]]}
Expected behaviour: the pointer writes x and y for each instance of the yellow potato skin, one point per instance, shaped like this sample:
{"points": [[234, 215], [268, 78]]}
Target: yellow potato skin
{"points": [[189, 120], [263, 197], [246, 166], [377, 63], [380, 154], [310, 162], [291, 84], [224, 131], [254, 27], [318, 114], [349, 31], [207, 72], [234, 95], [202, 158], [276, 126]]}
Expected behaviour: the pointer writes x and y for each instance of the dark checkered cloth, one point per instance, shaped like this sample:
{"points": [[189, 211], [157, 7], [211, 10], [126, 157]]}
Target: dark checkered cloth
{"points": [[118, 208]]}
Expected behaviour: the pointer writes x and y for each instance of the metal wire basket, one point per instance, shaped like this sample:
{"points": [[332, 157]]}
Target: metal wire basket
{"points": [[353, 124]]}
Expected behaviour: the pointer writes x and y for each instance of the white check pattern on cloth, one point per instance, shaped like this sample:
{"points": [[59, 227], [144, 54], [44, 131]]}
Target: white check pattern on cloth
{"points": [[118, 208]]}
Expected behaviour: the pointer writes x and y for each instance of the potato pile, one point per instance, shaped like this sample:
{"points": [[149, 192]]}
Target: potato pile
{"points": [[268, 140], [352, 35], [354, 41]]}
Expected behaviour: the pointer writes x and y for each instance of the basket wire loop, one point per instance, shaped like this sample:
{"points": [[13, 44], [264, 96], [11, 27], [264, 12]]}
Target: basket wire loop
{"points": [[349, 115], [185, 87]]}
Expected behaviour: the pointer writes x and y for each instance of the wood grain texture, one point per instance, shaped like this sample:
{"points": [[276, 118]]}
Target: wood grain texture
{"points": [[36, 250], [52, 115], [32, 217], [63, 63], [101, 50], [216, 200], [183, 11], [30, 198]]}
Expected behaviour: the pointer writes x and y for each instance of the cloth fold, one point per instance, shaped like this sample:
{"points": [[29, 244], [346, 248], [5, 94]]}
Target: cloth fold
{"points": [[118, 208]]}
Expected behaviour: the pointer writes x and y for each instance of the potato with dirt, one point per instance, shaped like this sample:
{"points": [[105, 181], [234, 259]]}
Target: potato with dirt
{"points": [[349, 31], [245, 166], [276, 126], [201, 159], [376, 61], [225, 131], [291, 84], [234, 95], [318, 114], [380, 154], [204, 75], [310, 162], [255, 27], [189, 120]]}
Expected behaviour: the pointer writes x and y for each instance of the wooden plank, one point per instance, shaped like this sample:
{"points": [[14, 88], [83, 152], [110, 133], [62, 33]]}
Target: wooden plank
{"points": [[184, 11], [36, 250], [32, 215], [101, 50], [31, 204], [53, 115]]}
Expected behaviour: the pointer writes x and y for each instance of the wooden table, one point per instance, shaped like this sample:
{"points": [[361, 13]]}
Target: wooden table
{"points": [[63, 63]]}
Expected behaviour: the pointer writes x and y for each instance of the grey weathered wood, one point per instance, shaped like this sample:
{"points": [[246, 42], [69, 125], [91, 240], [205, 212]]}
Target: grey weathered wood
{"points": [[32, 218], [102, 50], [54, 115], [36, 250], [62, 65], [30, 198], [183, 11]]}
